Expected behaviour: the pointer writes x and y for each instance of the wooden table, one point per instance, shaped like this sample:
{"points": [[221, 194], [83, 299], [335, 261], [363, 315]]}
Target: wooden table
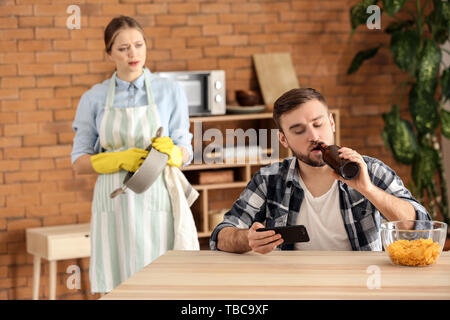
{"points": [[56, 243], [210, 275]]}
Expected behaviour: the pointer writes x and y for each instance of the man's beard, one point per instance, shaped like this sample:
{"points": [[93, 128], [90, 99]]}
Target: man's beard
{"points": [[305, 159]]}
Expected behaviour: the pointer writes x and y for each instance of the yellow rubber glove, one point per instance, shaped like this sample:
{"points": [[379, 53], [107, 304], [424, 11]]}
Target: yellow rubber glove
{"points": [[165, 145], [109, 162]]}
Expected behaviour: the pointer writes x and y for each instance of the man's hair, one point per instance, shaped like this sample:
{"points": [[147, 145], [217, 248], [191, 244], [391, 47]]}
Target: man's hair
{"points": [[292, 99]]}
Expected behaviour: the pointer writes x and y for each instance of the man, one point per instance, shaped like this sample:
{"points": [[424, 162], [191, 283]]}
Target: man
{"points": [[302, 190]]}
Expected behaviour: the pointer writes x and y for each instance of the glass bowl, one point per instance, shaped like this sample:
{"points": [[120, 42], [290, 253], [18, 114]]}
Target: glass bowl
{"points": [[413, 243]]}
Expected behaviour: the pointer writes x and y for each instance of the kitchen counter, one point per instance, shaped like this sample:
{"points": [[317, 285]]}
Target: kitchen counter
{"points": [[206, 275]]}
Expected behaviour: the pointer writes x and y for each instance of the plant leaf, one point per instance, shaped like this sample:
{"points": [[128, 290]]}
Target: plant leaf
{"points": [[398, 26], [438, 24], [358, 13], [404, 48], [400, 136], [424, 109], [445, 83], [393, 6], [445, 123], [428, 67], [424, 167], [360, 57]]}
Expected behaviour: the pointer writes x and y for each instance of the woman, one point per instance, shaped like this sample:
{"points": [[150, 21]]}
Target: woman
{"points": [[115, 121]]}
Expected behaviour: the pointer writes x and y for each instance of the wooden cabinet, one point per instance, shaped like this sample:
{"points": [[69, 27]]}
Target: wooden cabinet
{"points": [[220, 179]]}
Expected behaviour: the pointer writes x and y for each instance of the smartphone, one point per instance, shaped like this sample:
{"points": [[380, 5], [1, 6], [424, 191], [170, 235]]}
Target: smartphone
{"points": [[290, 234]]}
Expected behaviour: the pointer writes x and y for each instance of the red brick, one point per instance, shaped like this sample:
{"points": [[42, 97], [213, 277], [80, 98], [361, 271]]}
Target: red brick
{"points": [[70, 68], [37, 187], [9, 165], [21, 153], [64, 163], [215, 8], [89, 79], [233, 40], [10, 22], [35, 45], [65, 115], [184, 8], [10, 117], [171, 20], [263, 39], [187, 32], [50, 10], [248, 28], [278, 27], [14, 177], [22, 224], [170, 43], [171, 65], [6, 142], [52, 33], [76, 208], [40, 140], [55, 151], [217, 29], [202, 19], [8, 46], [8, 70], [246, 7], [49, 104], [57, 198], [203, 63], [40, 164], [219, 51], [56, 175], [36, 93], [12, 212], [87, 33], [158, 32], [59, 220], [192, 53], [78, 56], [35, 22], [118, 9], [18, 82], [23, 200], [202, 42], [151, 8], [95, 67], [69, 44], [20, 129], [53, 81], [16, 34], [247, 51], [9, 93], [35, 69], [41, 211], [52, 57], [69, 92]]}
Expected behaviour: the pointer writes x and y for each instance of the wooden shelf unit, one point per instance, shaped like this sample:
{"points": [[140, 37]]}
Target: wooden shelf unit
{"points": [[216, 196]]}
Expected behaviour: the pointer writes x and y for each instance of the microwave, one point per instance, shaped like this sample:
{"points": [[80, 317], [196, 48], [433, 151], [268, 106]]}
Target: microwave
{"points": [[205, 90]]}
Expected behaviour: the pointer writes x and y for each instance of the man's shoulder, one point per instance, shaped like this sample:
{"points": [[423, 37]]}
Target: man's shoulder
{"points": [[279, 169]]}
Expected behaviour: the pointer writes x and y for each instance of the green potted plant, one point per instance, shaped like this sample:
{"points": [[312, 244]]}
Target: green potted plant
{"points": [[416, 47]]}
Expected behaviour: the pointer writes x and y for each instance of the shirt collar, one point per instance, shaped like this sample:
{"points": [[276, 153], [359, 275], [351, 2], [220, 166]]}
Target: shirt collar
{"points": [[138, 83], [293, 173]]}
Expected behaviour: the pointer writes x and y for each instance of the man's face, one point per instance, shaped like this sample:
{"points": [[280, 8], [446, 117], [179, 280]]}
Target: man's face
{"points": [[303, 128]]}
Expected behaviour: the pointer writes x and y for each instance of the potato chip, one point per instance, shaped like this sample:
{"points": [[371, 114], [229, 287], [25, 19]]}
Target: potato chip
{"points": [[421, 252]]}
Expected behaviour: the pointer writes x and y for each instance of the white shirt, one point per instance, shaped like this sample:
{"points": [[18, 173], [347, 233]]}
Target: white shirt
{"points": [[323, 220]]}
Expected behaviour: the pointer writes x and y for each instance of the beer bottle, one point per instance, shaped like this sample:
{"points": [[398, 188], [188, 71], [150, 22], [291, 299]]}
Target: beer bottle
{"points": [[345, 168]]}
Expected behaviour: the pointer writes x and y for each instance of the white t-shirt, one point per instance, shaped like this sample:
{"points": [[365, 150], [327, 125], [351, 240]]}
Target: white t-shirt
{"points": [[323, 220]]}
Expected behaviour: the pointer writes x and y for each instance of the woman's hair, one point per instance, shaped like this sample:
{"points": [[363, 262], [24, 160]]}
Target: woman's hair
{"points": [[117, 24], [292, 99]]}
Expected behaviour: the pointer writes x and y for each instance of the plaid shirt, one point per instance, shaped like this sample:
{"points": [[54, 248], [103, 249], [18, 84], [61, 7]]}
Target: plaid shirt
{"points": [[274, 195]]}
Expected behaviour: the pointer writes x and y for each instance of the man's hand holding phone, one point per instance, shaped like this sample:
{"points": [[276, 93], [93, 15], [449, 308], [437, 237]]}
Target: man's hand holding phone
{"points": [[265, 241]]}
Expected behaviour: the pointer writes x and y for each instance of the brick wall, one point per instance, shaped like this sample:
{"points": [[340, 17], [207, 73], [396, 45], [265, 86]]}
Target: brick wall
{"points": [[45, 68]]}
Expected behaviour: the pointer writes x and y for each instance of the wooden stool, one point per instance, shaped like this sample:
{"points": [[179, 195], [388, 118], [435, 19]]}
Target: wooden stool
{"points": [[56, 243]]}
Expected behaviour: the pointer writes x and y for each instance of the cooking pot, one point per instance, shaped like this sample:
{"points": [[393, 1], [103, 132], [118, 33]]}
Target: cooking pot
{"points": [[147, 173]]}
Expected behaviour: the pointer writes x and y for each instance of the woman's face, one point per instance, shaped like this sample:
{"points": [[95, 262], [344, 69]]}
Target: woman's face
{"points": [[128, 53]]}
